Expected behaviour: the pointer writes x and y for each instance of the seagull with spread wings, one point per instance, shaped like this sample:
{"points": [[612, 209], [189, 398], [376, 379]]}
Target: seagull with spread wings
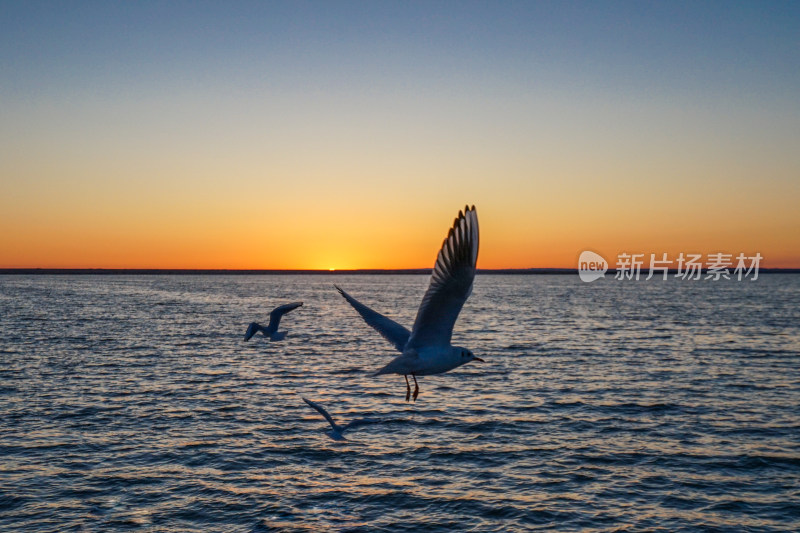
{"points": [[426, 349], [337, 432], [271, 330]]}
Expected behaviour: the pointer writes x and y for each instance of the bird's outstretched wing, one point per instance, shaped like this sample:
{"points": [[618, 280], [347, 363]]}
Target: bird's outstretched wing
{"points": [[278, 312], [451, 283], [322, 411], [388, 328], [252, 329]]}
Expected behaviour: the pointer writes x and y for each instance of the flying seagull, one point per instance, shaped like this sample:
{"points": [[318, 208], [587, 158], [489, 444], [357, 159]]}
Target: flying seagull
{"points": [[426, 349], [271, 330], [337, 431]]}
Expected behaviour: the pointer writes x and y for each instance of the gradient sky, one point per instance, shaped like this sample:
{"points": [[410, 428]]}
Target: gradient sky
{"points": [[348, 134]]}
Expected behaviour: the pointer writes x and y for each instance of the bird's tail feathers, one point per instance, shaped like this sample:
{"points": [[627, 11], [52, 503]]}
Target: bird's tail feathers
{"points": [[388, 369]]}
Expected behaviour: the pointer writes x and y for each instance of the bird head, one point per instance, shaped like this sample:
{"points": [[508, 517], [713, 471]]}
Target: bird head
{"points": [[467, 355]]}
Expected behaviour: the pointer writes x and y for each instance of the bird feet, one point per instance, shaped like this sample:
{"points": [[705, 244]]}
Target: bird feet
{"points": [[408, 388]]}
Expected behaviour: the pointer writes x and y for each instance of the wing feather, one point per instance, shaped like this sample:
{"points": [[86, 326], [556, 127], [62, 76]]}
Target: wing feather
{"points": [[450, 285], [388, 328], [277, 313], [321, 411]]}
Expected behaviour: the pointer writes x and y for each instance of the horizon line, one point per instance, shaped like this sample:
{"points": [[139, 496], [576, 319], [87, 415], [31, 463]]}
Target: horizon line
{"points": [[355, 271]]}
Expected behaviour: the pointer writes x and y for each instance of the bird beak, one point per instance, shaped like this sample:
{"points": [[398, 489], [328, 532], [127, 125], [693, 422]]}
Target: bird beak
{"points": [[479, 359]]}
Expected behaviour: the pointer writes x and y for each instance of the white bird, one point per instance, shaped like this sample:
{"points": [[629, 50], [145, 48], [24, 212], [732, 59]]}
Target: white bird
{"points": [[337, 431], [271, 330], [426, 349]]}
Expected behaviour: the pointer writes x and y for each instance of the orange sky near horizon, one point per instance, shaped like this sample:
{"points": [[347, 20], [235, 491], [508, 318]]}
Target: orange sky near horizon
{"points": [[386, 237], [88, 210]]}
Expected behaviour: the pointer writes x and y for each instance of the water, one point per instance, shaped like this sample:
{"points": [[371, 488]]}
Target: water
{"points": [[132, 404]]}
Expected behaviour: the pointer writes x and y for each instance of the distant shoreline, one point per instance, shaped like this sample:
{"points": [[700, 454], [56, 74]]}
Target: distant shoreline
{"points": [[227, 272]]}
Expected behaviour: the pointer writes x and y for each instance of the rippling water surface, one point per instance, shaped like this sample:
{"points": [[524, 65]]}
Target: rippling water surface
{"points": [[132, 403]]}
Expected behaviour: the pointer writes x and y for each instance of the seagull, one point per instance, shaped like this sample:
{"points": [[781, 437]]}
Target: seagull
{"points": [[426, 349], [337, 431], [271, 330]]}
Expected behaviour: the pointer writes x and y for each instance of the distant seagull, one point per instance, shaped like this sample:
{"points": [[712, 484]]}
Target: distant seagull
{"points": [[271, 330], [426, 348], [337, 431]]}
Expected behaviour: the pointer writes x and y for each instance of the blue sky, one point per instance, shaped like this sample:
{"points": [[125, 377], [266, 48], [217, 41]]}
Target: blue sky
{"points": [[686, 46]]}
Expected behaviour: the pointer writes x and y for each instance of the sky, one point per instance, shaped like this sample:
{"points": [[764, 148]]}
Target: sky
{"points": [[338, 135]]}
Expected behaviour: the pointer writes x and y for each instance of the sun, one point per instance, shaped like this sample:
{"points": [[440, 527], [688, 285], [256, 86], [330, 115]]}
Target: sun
{"points": [[331, 269]]}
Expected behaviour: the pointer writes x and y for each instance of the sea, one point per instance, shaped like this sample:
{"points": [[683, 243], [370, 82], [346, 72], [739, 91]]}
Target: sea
{"points": [[132, 403]]}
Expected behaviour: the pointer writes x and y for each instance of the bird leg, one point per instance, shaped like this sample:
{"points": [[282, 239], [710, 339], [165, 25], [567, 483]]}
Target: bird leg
{"points": [[416, 387], [408, 388]]}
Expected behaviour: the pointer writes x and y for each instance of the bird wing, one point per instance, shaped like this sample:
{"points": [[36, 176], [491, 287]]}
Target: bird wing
{"points": [[278, 312], [360, 422], [388, 328], [321, 411], [252, 329], [451, 283]]}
